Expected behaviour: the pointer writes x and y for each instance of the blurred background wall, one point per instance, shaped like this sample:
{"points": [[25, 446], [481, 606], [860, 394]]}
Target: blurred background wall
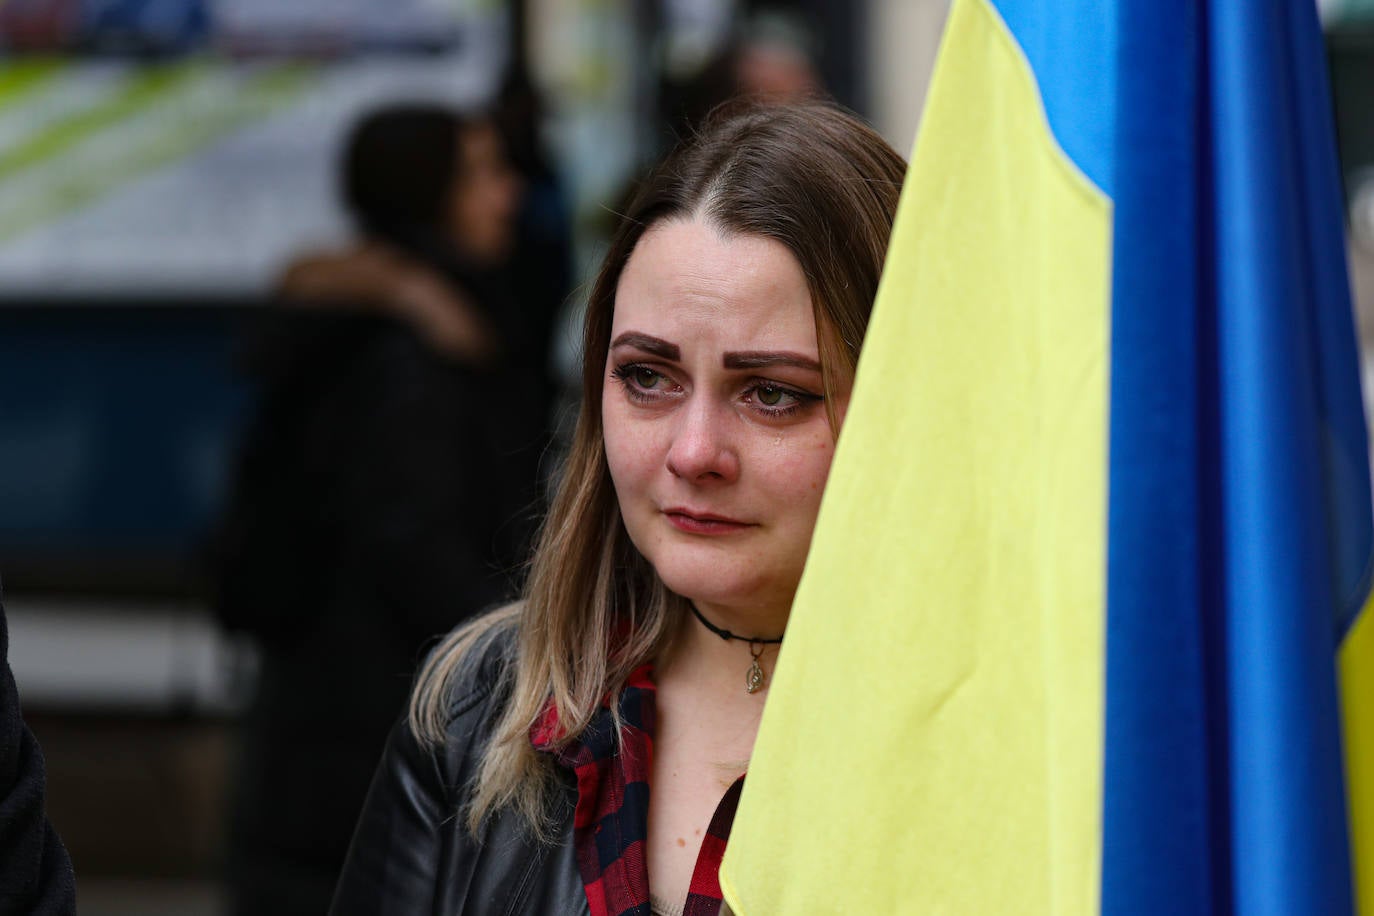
{"points": [[161, 164]]}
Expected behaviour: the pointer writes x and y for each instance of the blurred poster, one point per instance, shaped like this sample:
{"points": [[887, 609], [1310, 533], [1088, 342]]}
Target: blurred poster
{"points": [[243, 26], [314, 25], [200, 173], [104, 25]]}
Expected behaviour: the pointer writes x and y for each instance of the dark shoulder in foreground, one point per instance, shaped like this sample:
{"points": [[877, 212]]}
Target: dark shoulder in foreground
{"points": [[35, 870]]}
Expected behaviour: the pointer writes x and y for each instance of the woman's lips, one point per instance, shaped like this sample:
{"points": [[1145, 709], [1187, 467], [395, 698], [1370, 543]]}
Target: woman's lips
{"points": [[704, 522]]}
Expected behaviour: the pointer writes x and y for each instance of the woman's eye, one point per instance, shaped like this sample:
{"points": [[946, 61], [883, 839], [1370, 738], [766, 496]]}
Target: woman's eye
{"points": [[640, 383], [769, 395], [777, 402]]}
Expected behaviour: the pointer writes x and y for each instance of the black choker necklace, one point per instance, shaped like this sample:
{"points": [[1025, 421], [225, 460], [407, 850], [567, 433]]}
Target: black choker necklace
{"points": [[753, 679]]}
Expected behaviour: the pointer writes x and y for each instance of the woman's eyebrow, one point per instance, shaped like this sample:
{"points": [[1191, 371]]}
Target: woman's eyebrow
{"points": [[655, 345], [760, 359]]}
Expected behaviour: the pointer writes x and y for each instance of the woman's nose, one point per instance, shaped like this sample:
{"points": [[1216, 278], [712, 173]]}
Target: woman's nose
{"points": [[703, 449]]}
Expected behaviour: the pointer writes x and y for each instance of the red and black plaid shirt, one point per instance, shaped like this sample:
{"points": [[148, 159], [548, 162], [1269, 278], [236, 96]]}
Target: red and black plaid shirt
{"points": [[611, 825]]}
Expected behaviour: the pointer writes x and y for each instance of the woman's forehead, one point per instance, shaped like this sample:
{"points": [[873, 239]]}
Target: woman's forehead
{"points": [[688, 278]]}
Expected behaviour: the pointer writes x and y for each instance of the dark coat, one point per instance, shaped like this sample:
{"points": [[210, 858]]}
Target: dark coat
{"points": [[413, 853], [384, 495], [35, 871]]}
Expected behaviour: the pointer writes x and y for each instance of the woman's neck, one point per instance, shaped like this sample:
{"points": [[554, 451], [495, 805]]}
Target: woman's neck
{"points": [[720, 666]]}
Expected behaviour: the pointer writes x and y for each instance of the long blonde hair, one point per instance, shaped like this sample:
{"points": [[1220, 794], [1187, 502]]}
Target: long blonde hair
{"points": [[810, 176]]}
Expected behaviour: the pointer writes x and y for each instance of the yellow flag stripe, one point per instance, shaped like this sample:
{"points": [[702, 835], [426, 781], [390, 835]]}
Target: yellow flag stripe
{"points": [[1357, 697], [936, 717]]}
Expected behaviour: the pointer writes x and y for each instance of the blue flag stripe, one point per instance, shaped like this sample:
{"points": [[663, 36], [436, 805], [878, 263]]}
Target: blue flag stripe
{"points": [[1290, 846], [1239, 518], [1161, 812]]}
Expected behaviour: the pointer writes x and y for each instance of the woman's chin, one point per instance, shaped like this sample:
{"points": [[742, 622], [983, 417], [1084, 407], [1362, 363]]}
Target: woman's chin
{"points": [[714, 587]]}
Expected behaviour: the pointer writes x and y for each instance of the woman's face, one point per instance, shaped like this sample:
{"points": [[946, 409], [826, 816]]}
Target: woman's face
{"points": [[715, 426], [485, 199]]}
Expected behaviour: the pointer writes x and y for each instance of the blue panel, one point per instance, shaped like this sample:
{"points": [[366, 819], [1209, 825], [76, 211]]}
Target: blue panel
{"points": [[1071, 46], [116, 428], [146, 24]]}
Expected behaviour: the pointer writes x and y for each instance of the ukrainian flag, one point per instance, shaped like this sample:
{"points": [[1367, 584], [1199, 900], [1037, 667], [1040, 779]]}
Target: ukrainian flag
{"points": [[1084, 594]]}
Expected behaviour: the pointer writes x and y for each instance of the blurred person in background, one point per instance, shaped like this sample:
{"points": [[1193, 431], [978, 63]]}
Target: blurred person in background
{"points": [[768, 59], [388, 486], [35, 871]]}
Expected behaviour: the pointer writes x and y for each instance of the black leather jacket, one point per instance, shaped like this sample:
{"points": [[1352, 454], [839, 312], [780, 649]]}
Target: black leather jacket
{"points": [[412, 852]]}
